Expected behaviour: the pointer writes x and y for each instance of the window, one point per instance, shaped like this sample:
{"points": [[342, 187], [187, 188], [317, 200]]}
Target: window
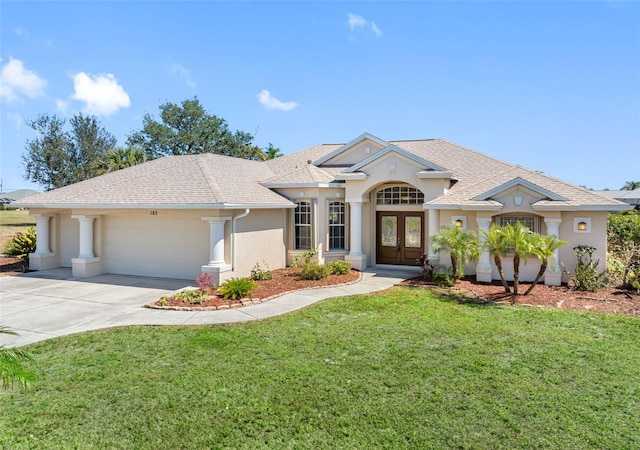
{"points": [[302, 225], [399, 195], [336, 226], [531, 222]]}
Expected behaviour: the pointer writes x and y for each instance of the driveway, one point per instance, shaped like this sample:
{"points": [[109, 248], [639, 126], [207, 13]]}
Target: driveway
{"points": [[52, 303]]}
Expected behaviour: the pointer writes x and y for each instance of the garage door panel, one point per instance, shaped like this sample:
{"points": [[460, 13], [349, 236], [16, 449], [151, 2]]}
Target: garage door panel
{"points": [[173, 247]]}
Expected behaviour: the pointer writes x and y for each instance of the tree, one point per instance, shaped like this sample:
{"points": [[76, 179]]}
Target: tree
{"points": [[518, 238], [188, 129], [119, 158], [57, 157], [623, 240], [462, 246], [272, 152], [543, 247], [630, 185], [11, 365], [494, 241]]}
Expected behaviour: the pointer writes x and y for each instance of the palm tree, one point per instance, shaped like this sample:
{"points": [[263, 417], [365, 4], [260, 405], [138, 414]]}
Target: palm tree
{"points": [[631, 185], [11, 368], [518, 238], [120, 158], [495, 243], [462, 246], [543, 247], [272, 152]]}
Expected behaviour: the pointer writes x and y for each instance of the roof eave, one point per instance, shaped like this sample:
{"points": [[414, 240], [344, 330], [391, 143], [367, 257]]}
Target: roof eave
{"points": [[157, 206]]}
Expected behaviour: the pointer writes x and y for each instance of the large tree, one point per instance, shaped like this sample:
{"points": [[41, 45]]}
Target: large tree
{"points": [[631, 185], [58, 157], [188, 129]]}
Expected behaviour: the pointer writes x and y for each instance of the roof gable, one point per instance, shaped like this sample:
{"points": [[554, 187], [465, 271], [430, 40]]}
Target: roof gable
{"points": [[346, 148], [397, 150], [519, 182]]}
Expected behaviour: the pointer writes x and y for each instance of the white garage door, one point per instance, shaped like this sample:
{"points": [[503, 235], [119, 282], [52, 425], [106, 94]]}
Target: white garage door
{"points": [[156, 246]]}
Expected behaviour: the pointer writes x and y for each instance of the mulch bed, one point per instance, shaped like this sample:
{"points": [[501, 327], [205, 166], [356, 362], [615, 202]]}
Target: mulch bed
{"points": [[11, 266]]}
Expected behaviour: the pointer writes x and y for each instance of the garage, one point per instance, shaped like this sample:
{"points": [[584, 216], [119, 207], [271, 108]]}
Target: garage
{"points": [[156, 245]]}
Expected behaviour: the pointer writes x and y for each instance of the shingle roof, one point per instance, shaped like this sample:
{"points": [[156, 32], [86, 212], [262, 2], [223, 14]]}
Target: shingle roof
{"points": [[220, 181]]}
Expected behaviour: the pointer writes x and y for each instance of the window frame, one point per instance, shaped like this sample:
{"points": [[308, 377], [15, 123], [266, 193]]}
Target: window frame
{"points": [[297, 238], [393, 195], [337, 226]]}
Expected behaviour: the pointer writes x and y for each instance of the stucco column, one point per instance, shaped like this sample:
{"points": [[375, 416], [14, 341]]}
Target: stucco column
{"points": [[216, 240], [355, 256], [553, 275], [483, 268], [86, 236], [434, 222], [42, 234]]}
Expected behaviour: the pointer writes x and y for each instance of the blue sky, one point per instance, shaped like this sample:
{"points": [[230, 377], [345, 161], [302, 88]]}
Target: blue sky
{"points": [[553, 86]]}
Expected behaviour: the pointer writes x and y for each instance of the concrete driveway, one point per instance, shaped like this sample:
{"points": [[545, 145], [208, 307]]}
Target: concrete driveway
{"points": [[52, 303]]}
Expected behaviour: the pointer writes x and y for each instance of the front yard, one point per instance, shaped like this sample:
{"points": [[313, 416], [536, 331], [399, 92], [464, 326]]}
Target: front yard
{"points": [[398, 369]]}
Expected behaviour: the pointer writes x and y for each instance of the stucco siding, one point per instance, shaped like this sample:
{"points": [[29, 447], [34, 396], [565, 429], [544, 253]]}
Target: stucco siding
{"points": [[69, 239], [260, 238]]}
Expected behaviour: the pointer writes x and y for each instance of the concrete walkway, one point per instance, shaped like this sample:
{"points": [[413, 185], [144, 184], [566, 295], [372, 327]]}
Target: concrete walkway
{"points": [[51, 303]]}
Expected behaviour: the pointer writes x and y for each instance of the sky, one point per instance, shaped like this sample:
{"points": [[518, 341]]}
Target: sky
{"points": [[552, 86]]}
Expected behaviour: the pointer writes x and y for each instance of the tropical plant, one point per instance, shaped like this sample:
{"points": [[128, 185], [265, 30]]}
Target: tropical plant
{"points": [[426, 266], [12, 370], [119, 158], [630, 185], [271, 152], [543, 247], [21, 244], [495, 243], [518, 238], [586, 277], [236, 288], [462, 246]]}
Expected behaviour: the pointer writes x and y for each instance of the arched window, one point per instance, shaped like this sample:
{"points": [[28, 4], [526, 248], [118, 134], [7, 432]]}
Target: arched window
{"points": [[336, 225], [529, 221], [399, 195], [302, 225]]}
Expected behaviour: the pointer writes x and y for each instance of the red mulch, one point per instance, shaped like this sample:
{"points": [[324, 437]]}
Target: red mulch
{"points": [[11, 266], [604, 300]]}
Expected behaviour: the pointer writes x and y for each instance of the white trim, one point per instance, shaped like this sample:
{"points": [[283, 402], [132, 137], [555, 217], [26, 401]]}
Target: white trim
{"points": [[363, 137], [88, 206], [351, 176], [303, 185], [435, 174]]}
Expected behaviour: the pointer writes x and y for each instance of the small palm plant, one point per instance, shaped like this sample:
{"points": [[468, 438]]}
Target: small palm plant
{"points": [[543, 247], [519, 239], [11, 368], [495, 243], [462, 246]]}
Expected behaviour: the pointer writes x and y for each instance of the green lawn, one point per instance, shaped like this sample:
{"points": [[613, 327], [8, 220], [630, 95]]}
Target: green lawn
{"points": [[399, 369], [12, 221]]}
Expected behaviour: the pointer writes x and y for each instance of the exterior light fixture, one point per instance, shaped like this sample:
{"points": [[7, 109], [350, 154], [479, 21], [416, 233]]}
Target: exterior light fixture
{"points": [[459, 223], [582, 226]]}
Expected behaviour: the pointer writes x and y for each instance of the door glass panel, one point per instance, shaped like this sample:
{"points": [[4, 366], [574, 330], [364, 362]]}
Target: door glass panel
{"points": [[389, 231], [412, 231]]}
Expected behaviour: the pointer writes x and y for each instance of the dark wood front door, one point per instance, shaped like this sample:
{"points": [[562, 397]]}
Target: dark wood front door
{"points": [[399, 237]]}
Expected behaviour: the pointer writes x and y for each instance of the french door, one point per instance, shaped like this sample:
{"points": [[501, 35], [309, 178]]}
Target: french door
{"points": [[400, 237]]}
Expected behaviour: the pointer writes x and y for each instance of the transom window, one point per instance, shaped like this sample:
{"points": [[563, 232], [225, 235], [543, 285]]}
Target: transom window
{"points": [[399, 195], [302, 226], [531, 222], [336, 225]]}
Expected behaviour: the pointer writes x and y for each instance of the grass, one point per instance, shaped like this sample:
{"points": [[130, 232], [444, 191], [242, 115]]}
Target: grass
{"points": [[398, 369], [12, 221]]}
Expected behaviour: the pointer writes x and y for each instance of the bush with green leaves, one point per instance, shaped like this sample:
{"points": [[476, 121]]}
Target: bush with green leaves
{"points": [[623, 256], [443, 276], [314, 271], [339, 267], [587, 277], [260, 274], [304, 258], [21, 244], [193, 296], [236, 288]]}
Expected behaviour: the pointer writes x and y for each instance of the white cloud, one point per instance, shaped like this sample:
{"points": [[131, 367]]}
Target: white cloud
{"points": [[355, 21], [17, 81], [62, 105], [270, 102], [101, 94], [183, 73]]}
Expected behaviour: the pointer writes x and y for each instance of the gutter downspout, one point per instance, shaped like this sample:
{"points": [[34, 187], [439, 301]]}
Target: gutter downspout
{"points": [[233, 236]]}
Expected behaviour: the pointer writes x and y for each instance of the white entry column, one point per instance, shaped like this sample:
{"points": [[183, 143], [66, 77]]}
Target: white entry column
{"points": [[434, 226], [87, 264], [355, 256], [483, 268], [553, 275], [217, 265], [43, 258]]}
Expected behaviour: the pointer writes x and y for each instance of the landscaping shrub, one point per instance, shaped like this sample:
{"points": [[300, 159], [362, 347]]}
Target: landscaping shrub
{"points": [[587, 277], [339, 267], [260, 274], [427, 267], [314, 271], [236, 288], [21, 244], [205, 281], [195, 297], [304, 258]]}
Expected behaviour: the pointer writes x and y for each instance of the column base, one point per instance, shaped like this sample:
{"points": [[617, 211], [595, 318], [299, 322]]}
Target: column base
{"points": [[357, 262], [86, 267], [553, 278], [484, 273], [43, 261], [219, 273]]}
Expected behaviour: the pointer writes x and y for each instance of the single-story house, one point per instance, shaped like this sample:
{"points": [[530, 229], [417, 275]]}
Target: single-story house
{"points": [[372, 202]]}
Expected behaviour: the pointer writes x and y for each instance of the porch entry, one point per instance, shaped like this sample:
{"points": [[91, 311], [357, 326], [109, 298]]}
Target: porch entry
{"points": [[399, 237]]}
